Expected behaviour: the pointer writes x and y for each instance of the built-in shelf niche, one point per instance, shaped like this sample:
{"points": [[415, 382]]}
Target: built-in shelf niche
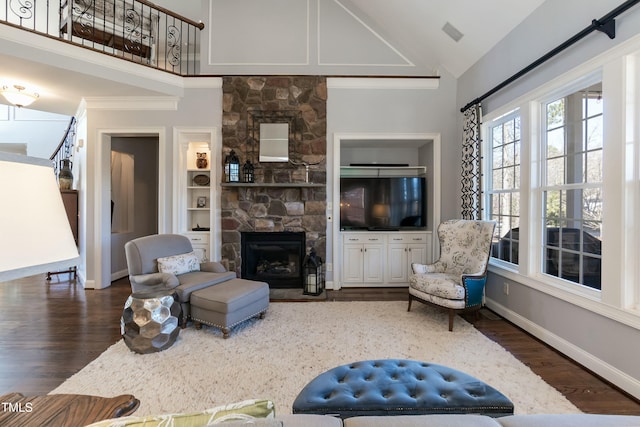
{"points": [[196, 204], [418, 153]]}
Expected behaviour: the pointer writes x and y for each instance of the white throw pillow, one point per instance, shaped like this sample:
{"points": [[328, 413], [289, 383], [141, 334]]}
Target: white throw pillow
{"points": [[179, 264]]}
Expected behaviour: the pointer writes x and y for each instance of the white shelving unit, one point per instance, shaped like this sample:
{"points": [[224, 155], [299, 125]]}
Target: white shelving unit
{"points": [[194, 189]]}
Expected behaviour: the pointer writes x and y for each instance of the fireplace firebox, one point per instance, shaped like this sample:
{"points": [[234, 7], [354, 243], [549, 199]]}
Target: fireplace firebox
{"points": [[273, 257]]}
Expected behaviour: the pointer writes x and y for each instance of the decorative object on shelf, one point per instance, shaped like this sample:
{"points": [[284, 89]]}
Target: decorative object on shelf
{"points": [[313, 274], [202, 180], [232, 167], [65, 176], [307, 166], [249, 171], [198, 228], [201, 202], [149, 321], [201, 161]]}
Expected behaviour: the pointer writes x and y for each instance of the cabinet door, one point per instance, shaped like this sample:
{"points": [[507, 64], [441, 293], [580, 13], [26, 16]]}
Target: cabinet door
{"points": [[352, 263], [416, 253], [373, 263], [397, 263]]}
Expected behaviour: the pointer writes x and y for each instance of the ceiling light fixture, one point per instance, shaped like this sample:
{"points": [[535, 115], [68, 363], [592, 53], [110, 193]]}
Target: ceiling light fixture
{"points": [[452, 32], [19, 95]]}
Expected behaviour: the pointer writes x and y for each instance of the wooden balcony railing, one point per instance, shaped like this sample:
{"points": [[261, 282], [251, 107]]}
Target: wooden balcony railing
{"points": [[134, 30]]}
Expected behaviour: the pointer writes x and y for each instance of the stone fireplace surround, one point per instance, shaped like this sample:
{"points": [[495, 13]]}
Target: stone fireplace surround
{"points": [[280, 200]]}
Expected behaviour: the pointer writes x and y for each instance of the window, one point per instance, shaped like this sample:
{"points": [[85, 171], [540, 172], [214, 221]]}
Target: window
{"points": [[577, 170], [572, 187], [503, 192]]}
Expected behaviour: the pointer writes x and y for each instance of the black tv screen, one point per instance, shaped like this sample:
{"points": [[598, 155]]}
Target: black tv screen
{"points": [[383, 203]]}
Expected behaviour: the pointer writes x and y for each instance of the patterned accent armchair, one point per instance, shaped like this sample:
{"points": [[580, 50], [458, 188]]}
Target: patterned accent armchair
{"points": [[456, 280]]}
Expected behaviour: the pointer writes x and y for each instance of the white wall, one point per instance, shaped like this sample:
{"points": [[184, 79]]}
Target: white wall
{"points": [[400, 111], [604, 345], [200, 106], [397, 111], [313, 37], [40, 131]]}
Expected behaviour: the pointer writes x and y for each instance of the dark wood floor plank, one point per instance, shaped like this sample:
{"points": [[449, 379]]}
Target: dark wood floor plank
{"points": [[52, 330]]}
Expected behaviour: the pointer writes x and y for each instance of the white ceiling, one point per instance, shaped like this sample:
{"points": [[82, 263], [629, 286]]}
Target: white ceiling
{"points": [[413, 27]]}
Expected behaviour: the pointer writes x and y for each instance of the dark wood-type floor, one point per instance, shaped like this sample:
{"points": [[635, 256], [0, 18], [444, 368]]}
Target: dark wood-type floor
{"points": [[52, 330]]}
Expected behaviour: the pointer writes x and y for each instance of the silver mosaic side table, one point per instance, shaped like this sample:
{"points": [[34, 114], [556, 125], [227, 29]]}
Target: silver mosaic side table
{"points": [[149, 321]]}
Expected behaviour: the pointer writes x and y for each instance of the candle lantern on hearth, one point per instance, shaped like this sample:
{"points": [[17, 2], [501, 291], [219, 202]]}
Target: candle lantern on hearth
{"points": [[249, 171], [232, 167], [313, 274]]}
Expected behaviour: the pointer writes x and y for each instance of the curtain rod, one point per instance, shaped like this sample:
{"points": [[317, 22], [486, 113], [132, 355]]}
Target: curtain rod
{"points": [[606, 24]]}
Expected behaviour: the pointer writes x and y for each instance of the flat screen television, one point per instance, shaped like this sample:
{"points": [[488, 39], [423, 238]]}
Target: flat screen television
{"points": [[383, 203]]}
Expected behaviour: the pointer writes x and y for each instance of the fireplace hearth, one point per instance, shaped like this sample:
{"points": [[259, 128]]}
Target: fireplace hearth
{"points": [[273, 257]]}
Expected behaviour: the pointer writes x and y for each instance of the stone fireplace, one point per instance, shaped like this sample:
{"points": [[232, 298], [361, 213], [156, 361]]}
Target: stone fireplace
{"points": [[275, 258], [285, 197]]}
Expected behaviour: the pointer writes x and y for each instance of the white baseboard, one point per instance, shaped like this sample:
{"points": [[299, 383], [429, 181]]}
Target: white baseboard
{"points": [[119, 275], [588, 360]]}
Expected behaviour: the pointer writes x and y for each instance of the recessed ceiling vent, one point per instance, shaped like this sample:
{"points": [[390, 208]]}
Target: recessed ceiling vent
{"points": [[452, 31]]}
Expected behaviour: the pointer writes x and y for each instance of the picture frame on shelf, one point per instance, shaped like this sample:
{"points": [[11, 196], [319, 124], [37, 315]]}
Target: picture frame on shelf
{"points": [[201, 202]]}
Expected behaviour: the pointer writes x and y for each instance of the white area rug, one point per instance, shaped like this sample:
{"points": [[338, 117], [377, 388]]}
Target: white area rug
{"points": [[276, 357]]}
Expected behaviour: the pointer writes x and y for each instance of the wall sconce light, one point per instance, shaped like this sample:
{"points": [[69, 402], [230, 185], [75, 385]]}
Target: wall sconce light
{"points": [[18, 95]]}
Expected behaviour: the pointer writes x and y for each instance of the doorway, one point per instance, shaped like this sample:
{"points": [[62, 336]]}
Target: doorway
{"points": [[133, 194]]}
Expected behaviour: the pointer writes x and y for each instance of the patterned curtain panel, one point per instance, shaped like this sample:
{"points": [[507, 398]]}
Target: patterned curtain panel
{"points": [[472, 164]]}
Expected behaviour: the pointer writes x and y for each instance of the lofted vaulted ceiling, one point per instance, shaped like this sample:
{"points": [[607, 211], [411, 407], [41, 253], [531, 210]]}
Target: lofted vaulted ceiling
{"points": [[409, 32], [415, 27]]}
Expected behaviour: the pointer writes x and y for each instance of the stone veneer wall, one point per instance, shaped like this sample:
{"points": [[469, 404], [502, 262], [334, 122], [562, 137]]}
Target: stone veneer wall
{"points": [[274, 208]]}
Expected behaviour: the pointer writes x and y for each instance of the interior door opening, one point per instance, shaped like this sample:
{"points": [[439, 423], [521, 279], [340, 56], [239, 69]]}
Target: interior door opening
{"points": [[134, 194]]}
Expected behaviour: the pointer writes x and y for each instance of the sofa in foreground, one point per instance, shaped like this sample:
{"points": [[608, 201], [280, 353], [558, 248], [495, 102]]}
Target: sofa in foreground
{"points": [[262, 413]]}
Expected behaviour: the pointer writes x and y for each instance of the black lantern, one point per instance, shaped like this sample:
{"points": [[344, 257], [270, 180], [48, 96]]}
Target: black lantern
{"points": [[248, 171], [232, 167], [313, 274]]}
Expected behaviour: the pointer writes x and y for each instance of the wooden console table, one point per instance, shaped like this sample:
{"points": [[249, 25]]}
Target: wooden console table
{"points": [[55, 410]]}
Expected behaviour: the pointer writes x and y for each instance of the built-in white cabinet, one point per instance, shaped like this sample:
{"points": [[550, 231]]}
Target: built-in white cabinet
{"points": [[363, 258], [402, 250], [382, 259], [194, 190]]}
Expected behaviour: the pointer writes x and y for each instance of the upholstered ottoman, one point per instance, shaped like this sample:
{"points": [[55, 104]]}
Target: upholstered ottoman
{"points": [[399, 387], [228, 303]]}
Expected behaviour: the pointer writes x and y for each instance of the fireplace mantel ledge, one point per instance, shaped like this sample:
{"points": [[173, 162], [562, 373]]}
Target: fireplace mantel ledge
{"points": [[274, 184]]}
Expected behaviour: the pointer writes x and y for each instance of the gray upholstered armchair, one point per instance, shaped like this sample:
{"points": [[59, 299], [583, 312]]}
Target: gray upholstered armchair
{"points": [[456, 280], [167, 261]]}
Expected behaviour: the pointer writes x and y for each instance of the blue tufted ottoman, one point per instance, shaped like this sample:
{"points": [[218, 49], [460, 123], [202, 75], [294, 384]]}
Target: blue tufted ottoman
{"points": [[399, 387]]}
